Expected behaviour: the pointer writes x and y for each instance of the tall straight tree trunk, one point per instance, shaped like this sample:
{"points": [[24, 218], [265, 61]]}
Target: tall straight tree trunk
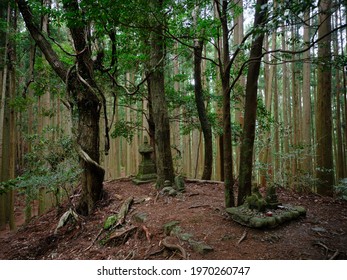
{"points": [[286, 116], [8, 145], [266, 158], [296, 136], [156, 82], [3, 86], [324, 153], [219, 168], [306, 94], [340, 160], [200, 104], [246, 156], [240, 86], [225, 67]]}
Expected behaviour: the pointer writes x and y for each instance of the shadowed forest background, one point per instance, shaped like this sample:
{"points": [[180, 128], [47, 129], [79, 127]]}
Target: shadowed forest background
{"points": [[241, 93]]}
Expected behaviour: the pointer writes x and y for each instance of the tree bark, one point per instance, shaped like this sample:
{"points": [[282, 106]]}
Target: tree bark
{"points": [[156, 82], [84, 100], [246, 156], [306, 94], [200, 104], [324, 159], [225, 67]]}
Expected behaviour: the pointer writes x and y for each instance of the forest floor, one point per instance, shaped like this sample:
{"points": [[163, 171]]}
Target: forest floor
{"points": [[201, 219]]}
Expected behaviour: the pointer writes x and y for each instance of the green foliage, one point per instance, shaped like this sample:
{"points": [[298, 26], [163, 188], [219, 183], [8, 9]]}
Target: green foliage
{"points": [[125, 129], [341, 189], [7, 186], [264, 118], [66, 174], [52, 165]]}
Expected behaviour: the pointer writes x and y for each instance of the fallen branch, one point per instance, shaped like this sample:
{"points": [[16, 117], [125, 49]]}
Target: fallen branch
{"points": [[203, 181], [120, 179], [175, 247], [243, 237]]}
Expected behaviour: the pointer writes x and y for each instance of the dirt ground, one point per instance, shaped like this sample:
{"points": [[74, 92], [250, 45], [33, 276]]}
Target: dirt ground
{"points": [[200, 219]]}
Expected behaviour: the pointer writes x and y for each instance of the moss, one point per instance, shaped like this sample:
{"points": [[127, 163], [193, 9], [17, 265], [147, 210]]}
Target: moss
{"points": [[110, 221], [168, 227]]}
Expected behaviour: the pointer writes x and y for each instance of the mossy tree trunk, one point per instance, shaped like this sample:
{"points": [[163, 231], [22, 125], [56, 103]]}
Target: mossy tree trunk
{"points": [[84, 98], [156, 81]]}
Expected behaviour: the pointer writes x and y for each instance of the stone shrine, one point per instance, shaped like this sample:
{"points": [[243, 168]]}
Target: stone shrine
{"points": [[147, 169]]}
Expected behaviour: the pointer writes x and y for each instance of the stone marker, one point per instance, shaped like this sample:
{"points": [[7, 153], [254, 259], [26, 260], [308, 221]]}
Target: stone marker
{"points": [[147, 169]]}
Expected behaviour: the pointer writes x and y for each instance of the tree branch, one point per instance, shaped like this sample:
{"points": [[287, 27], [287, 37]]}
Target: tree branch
{"points": [[59, 67]]}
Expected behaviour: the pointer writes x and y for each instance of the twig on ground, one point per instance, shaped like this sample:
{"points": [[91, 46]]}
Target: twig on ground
{"points": [[155, 253], [334, 255], [198, 206], [243, 237], [148, 234], [94, 240]]}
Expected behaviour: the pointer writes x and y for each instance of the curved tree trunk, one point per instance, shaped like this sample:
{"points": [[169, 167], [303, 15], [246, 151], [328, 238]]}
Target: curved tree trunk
{"points": [[83, 98]]}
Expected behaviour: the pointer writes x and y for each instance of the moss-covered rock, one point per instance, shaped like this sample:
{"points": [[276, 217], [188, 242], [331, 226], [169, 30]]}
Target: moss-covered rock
{"points": [[110, 221], [170, 226], [200, 247], [261, 219]]}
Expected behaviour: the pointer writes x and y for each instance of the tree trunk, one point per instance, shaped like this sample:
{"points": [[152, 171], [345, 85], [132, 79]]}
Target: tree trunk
{"points": [[324, 159], [84, 101], [246, 156], [240, 86], [200, 104], [306, 94], [340, 161], [3, 85], [226, 143], [156, 82]]}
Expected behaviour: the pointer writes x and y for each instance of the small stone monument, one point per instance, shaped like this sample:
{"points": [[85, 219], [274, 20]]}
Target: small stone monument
{"points": [[147, 170]]}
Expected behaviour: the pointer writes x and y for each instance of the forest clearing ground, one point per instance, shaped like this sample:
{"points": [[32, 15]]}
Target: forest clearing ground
{"points": [[322, 234]]}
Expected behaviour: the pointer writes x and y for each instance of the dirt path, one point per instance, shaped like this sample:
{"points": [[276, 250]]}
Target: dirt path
{"points": [[201, 220]]}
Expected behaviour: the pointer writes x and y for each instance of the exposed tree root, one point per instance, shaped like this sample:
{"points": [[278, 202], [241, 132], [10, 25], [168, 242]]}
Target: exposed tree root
{"points": [[175, 247], [148, 234], [327, 250], [154, 253], [124, 210], [121, 237]]}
